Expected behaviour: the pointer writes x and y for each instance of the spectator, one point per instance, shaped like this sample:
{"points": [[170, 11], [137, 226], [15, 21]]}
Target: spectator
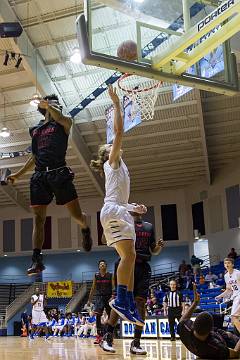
{"points": [[24, 320], [90, 325], [182, 268], [210, 277], [201, 280], [196, 263], [189, 283], [232, 254], [154, 306]]}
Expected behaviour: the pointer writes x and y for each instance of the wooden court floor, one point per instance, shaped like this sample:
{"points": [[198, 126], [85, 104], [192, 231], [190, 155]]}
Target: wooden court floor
{"points": [[16, 348]]}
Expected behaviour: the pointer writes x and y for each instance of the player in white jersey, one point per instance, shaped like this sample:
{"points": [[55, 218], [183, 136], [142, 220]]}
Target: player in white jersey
{"points": [[39, 318], [232, 280], [118, 224]]}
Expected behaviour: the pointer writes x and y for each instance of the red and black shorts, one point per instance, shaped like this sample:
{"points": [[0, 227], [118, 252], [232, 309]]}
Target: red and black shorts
{"points": [[142, 277], [44, 185]]}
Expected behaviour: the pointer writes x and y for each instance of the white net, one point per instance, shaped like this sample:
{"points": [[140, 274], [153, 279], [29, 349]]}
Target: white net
{"points": [[142, 92]]}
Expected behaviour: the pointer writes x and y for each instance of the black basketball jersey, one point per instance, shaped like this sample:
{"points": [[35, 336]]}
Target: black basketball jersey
{"points": [[103, 284], [145, 240], [49, 144]]}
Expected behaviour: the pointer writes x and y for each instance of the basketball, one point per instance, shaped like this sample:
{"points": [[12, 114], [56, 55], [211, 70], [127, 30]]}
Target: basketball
{"points": [[127, 50]]}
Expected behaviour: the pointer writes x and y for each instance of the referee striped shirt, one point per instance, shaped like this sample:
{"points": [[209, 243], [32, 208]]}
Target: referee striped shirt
{"points": [[173, 299]]}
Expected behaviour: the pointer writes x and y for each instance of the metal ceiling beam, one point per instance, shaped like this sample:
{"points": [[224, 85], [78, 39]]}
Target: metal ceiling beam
{"points": [[203, 134], [15, 196], [60, 14], [23, 45], [81, 149], [156, 134]]}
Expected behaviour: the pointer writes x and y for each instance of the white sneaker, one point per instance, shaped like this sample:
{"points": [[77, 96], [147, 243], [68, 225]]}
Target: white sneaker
{"points": [[136, 349], [106, 343]]}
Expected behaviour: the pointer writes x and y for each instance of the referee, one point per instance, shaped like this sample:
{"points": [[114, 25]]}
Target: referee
{"points": [[173, 306]]}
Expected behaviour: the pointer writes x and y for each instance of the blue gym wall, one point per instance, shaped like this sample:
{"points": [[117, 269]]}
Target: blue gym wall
{"points": [[72, 265]]}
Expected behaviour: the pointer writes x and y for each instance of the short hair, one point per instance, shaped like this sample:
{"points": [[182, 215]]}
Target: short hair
{"points": [[229, 259], [102, 261], [51, 97], [173, 280], [203, 323]]}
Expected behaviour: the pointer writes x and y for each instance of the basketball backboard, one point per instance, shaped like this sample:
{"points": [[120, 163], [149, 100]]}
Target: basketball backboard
{"points": [[173, 38]]}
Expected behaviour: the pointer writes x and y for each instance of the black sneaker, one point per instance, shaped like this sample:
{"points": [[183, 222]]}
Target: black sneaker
{"points": [[172, 339], [136, 349], [107, 342], [36, 266], [87, 239]]}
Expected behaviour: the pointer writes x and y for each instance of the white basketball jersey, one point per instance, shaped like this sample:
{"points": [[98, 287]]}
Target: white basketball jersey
{"points": [[117, 184], [39, 304], [233, 280]]}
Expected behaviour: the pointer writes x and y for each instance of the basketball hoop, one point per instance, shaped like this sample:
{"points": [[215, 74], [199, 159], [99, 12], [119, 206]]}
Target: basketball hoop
{"points": [[142, 92]]}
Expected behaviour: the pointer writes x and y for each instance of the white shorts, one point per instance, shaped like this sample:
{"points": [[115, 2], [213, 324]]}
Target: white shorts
{"points": [[38, 317], [117, 223], [236, 306]]}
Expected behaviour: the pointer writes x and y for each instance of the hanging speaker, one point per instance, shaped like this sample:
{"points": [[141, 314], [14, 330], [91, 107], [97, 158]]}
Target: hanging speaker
{"points": [[10, 29]]}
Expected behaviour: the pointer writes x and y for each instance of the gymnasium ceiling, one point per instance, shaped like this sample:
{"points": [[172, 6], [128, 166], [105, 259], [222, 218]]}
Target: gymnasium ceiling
{"points": [[187, 141]]}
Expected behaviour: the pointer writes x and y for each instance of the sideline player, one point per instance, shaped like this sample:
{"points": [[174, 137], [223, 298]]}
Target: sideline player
{"points": [[102, 287], [232, 280], [146, 246], [39, 318], [51, 177], [118, 224]]}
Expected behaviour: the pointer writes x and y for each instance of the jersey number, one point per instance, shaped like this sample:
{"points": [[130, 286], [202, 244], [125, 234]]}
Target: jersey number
{"points": [[234, 287]]}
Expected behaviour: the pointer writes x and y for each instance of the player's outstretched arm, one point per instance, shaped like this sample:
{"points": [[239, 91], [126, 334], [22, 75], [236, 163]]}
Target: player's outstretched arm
{"points": [[30, 163], [158, 248], [56, 114], [92, 291], [114, 155], [225, 294], [192, 308]]}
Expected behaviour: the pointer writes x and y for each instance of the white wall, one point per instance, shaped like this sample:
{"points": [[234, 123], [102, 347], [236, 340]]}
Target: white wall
{"points": [[91, 206], [183, 198]]}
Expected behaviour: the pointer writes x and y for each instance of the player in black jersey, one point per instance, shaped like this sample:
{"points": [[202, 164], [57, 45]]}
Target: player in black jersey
{"points": [[102, 287], [51, 177], [146, 246]]}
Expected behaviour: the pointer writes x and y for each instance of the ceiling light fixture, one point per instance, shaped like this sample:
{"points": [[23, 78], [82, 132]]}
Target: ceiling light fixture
{"points": [[76, 56], [35, 100], [5, 132]]}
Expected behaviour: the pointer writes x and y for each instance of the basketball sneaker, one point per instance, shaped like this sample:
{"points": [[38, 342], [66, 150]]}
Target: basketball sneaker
{"points": [[137, 317], [122, 310], [98, 340], [87, 239], [37, 264], [136, 349], [107, 342]]}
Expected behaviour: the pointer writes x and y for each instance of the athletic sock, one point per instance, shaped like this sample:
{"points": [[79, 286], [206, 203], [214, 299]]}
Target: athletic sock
{"points": [[137, 333], [122, 294], [130, 299]]}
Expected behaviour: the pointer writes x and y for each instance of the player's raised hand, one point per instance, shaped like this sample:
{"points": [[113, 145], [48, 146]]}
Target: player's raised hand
{"points": [[113, 94], [160, 243], [196, 298]]}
